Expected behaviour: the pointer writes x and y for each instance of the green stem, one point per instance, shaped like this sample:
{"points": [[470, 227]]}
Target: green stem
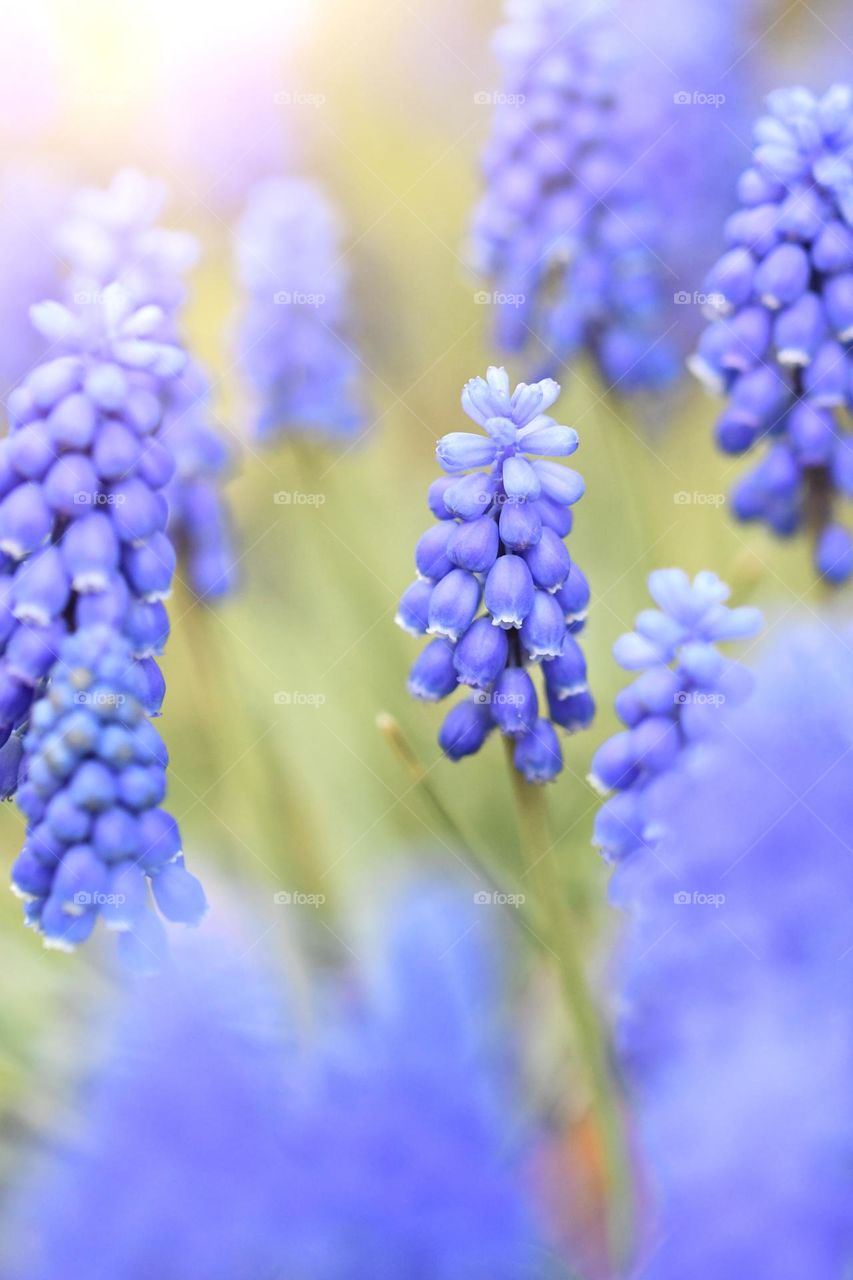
{"points": [[390, 729], [562, 932]]}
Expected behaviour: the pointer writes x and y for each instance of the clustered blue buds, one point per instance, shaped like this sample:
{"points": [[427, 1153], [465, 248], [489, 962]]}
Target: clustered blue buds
{"points": [[94, 775], [83, 518], [502, 514], [565, 230], [683, 681], [295, 344], [780, 344], [112, 235]]}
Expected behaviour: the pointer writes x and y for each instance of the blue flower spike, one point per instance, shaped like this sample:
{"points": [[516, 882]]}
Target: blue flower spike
{"points": [[497, 589], [780, 343], [674, 701]]}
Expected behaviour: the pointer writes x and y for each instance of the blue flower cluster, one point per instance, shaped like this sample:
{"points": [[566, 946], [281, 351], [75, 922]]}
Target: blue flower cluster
{"points": [[388, 1144], [737, 1032], [83, 518], [295, 341], [565, 230], [503, 513], [780, 345], [93, 776], [112, 235], [684, 680]]}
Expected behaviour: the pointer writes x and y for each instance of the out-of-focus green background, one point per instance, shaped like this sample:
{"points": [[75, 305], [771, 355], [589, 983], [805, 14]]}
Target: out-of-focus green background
{"points": [[301, 791]]}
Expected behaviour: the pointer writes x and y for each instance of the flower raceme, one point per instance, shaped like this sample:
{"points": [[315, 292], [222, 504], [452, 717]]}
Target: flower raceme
{"points": [[780, 343], [294, 339], [565, 229], [497, 589], [672, 703], [84, 545]]}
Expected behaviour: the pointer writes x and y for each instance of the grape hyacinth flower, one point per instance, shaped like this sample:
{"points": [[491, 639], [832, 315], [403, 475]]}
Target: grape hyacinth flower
{"points": [[113, 234], [295, 340], [94, 774], [673, 702], [497, 589], [83, 519], [566, 231], [390, 1143], [779, 347], [735, 983]]}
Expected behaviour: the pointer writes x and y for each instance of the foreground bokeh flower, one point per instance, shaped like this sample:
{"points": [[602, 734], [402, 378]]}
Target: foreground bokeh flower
{"points": [[227, 1140], [779, 347], [737, 1031], [503, 513]]}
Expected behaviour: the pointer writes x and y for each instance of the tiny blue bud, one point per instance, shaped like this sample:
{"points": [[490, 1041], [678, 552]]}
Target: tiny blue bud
{"points": [[538, 756], [473, 544], [431, 559], [413, 610], [834, 554], [481, 654], [520, 525], [41, 588], [462, 450], [565, 674], [783, 276], [548, 561], [513, 701], [453, 604], [544, 628], [465, 728], [509, 591], [90, 551], [433, 675], [470, 496], [25, 521]]}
